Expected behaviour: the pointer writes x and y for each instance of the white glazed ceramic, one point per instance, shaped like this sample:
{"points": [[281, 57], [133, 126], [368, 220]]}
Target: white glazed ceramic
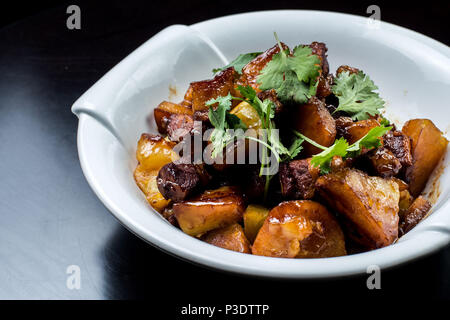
{"points": [[411, 70]]}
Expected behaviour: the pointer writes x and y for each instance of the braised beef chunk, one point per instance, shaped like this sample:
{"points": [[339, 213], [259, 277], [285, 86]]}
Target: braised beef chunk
{"points": [[179, 125], [324, 86], [320, 49], [220, 85], [398, 143], [177, 180], [415, 213], [297, 179], [252, 70], [253, 183], [325, 80], [384, 162], [201, 116], [272, 96], [165, 110], [341, 124], [349, 69]]}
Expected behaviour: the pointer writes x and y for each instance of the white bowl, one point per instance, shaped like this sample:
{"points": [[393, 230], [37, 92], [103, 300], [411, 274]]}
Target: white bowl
{"points": [[411, 70]]}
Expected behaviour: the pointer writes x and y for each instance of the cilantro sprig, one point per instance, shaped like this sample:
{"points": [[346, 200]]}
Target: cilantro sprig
{"points": [[356, 95], [294, 77], [240, 62], [222, 120], [341, 147]]}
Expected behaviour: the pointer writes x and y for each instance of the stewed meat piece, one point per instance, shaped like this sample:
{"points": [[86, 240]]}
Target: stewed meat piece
{"points": [[252, 70], [272, 96], [398, 143], [320, 49], [178, 180], [384, 163], [415, 213], [297, 179], [345, 68], [179, 125]]}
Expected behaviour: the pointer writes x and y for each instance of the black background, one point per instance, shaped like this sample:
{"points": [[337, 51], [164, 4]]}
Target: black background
{"points": [[50, 218]]}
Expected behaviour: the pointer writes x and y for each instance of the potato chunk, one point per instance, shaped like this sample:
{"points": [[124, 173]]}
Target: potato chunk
{"points": [[359, 129], [248, 115], [231, 237], [315, 122], [211, 210], [254, 217], [154, 151], [428, 146], [370, 204], [146, 181], [300, 229]]}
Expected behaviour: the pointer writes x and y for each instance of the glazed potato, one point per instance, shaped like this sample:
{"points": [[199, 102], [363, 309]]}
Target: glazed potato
{"points": [[428, 146], [359, 129], [254, 217], [146, 180], [165, 110], [231, 237], [211, 210], [300, 229], [154, 151], [370, 204], [405, 197], [248, 115], [203, 91], [315, 122]]}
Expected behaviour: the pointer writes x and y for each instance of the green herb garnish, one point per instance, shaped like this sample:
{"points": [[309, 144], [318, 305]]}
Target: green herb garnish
{"points": [[240, 62], [341, 147], [356, 95], [294, 77]]}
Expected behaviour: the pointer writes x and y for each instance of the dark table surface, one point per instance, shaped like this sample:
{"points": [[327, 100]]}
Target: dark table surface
{"points": [[50, 218]]}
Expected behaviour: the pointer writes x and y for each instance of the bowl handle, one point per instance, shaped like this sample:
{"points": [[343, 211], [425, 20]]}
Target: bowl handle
{"points": [[100, 100]]}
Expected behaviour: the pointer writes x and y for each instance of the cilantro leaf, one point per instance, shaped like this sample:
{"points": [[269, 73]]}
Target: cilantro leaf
{"points": [[384, 121], [304, 64], [356, 95], [295, 148], [343, 149], [222, 120], [234, 122], [370, 140], [247, 92], [239, 62], [323, 159], [217, 116], [293, 77]]}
